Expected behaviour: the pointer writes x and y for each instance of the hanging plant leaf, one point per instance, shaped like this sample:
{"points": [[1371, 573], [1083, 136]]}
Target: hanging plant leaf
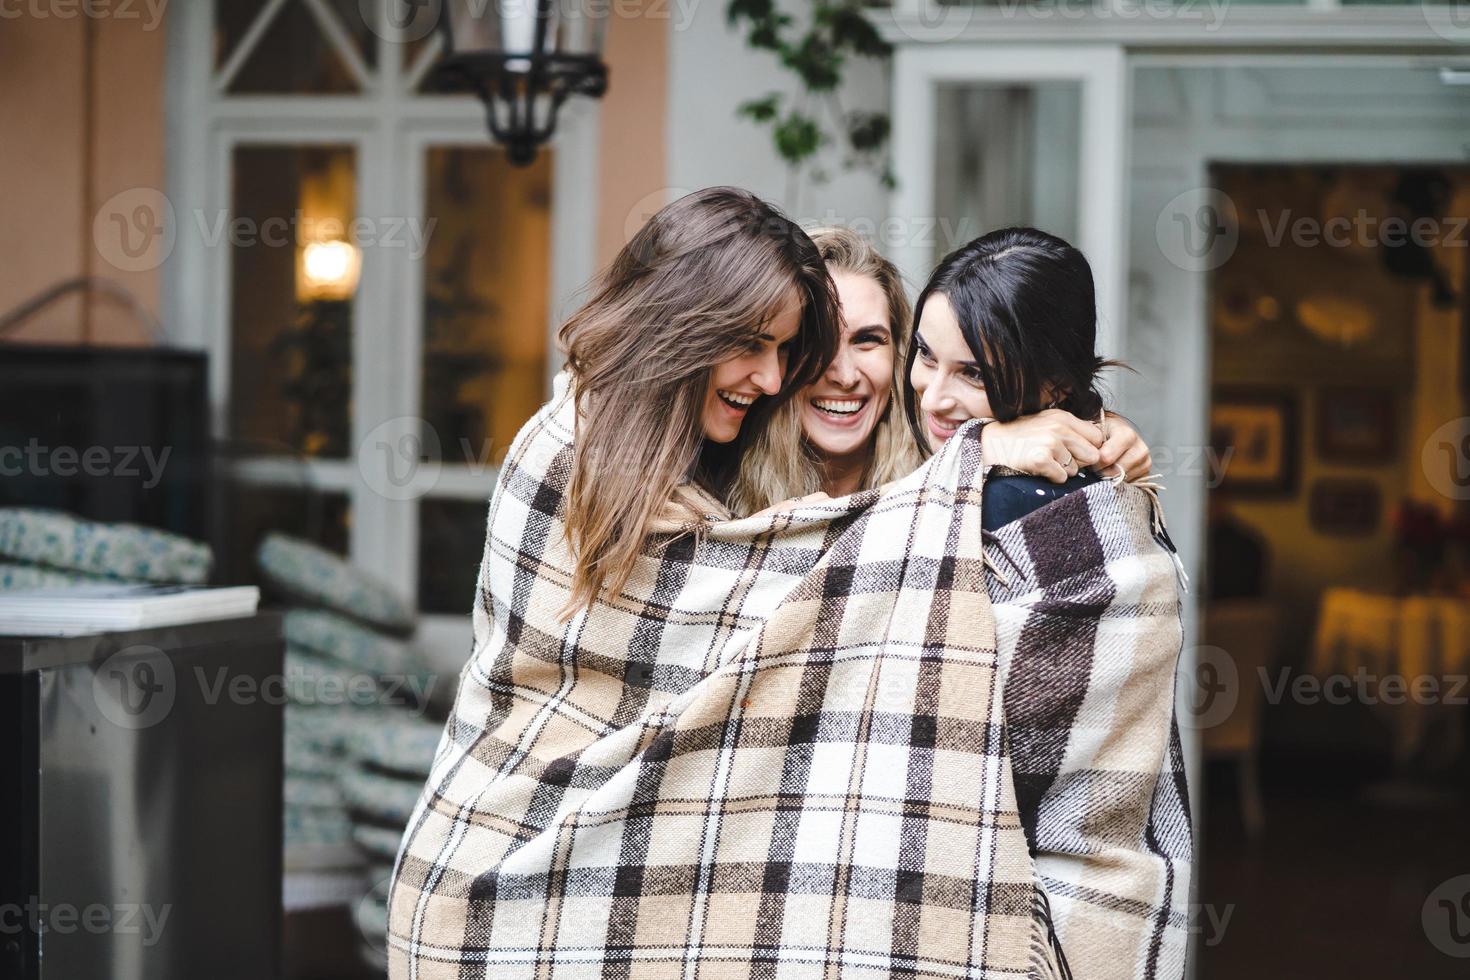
{"points": [[798, 137], [851, 29], [817, 62], [867, 131], [760, 110], [817, 56]]}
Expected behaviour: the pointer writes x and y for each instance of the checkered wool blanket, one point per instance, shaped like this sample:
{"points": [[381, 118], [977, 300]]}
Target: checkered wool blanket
{"points": [[783, 750]]}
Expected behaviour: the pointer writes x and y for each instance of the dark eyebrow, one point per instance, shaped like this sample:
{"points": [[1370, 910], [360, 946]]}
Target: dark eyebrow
{"points": [[873, 326], [919, 339]]}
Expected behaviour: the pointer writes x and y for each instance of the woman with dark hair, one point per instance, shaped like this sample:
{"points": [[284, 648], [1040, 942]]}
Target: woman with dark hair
{"points": [[1085, 600], [1007, 327]]}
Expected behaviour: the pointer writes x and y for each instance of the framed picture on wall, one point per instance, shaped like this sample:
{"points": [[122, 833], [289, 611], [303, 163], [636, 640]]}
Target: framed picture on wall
{"points": [[1349, 508], [1356, 425], [1253, 431]]}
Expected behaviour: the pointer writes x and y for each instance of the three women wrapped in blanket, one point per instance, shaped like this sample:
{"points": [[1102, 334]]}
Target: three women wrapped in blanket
{"points": [[860, 736], [812, 738]]}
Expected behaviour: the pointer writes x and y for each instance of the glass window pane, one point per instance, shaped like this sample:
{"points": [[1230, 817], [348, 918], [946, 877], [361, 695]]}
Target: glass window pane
{"points": [[1007, 155], [293, 273], [451, 543], [293, 55], [486, 287], [254, 511]]}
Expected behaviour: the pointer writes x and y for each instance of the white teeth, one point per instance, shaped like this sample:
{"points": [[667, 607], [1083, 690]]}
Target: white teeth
{"points": [[839, 406], [742, 401]]}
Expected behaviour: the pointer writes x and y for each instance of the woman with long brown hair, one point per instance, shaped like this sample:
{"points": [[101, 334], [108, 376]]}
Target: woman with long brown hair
{"points": [[716, 310]]}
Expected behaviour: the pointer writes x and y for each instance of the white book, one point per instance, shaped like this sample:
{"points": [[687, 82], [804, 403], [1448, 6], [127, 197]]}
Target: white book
{"points": [[80, 609]]}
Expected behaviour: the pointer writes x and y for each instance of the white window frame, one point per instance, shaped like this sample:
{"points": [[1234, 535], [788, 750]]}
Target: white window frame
{"points": [[390, 127]]}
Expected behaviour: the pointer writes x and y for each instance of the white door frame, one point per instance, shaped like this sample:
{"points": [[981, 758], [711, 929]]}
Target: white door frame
{"points": [[1101, 71], [1387, 39]]}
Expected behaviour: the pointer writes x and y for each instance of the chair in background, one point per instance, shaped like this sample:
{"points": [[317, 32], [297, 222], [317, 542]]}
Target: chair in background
{"points": [[1247, 630]]}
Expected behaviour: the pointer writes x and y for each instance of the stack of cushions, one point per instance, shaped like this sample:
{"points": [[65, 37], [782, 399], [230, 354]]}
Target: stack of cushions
{"points": [[387, 769], [358, 743], [47, 549]]}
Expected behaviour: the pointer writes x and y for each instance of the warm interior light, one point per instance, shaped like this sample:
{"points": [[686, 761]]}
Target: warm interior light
{"points": [[330, 269]]}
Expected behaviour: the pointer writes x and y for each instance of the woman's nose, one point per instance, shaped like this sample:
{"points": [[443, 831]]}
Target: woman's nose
{"points": [[843, 372], [768, 374], [935, 397]]}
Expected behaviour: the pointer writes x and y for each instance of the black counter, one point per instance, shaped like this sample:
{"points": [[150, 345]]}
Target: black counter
{"points": [[140, 803]]}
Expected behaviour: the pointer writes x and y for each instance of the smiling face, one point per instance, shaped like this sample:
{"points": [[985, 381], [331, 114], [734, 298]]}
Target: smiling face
{"points": [[736, 382], [944, 374], [840, 412]]}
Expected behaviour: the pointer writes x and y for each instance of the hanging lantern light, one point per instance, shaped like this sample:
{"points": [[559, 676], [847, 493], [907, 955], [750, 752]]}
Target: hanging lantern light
{"points": [[524, 58]]}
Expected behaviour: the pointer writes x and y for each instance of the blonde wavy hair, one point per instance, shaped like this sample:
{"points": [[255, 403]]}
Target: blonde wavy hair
{"points": [[781, 463], [695, 286]]}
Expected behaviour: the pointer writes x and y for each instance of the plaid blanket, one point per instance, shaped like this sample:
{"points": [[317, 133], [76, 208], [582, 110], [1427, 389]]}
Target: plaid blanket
{"points": [[1086, 602], [783, 751]]}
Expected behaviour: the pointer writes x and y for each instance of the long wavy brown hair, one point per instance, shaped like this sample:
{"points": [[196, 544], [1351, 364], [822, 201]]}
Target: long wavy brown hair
{"points": [[695, 286], [780, 463]]}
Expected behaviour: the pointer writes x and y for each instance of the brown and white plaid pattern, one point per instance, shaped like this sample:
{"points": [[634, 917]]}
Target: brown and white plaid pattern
{"points": [[780, 752], [1087, 611]]}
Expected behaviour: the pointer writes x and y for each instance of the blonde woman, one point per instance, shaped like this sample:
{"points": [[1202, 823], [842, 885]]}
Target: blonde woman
{"points": [[846, 432]]}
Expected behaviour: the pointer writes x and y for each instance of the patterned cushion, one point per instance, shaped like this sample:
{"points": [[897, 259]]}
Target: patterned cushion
{"points": [[305, 757], [330, 635], [121, 551], [380, 844], [378, 798], [312, 791], [320, 727], [315, 827], [300, 570], [316, 681], [397, 743], [17, 577]]}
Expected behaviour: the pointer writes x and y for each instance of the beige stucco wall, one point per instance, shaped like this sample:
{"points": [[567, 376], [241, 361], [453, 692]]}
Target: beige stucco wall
{"points": [[82, 113], [81, 110]]}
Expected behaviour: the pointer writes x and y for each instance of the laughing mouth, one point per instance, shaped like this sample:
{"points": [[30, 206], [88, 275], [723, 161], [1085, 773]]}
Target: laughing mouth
{"points": [[945, 425], [839, 407], [736, 401]]}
